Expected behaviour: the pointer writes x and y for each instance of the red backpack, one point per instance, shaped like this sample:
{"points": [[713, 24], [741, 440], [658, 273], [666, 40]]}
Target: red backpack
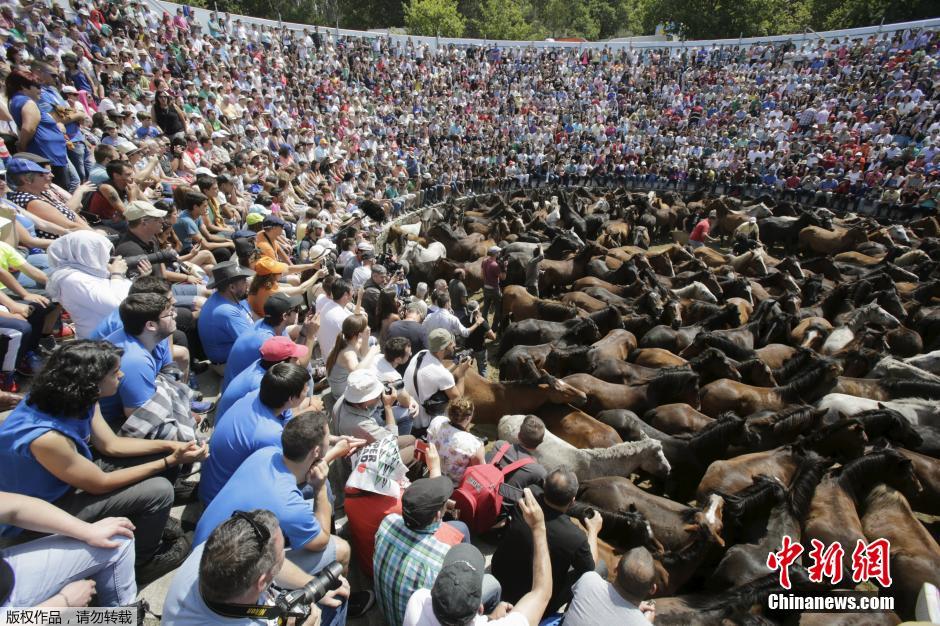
{"points": [[478, 498]]}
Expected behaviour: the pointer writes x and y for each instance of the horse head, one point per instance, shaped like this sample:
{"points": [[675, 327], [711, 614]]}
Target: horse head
{"points": [[707, 522], [560, 392], [653, 459]]}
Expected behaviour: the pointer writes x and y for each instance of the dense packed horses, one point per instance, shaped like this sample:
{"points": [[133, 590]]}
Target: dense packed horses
{"points": [[714, 402]]}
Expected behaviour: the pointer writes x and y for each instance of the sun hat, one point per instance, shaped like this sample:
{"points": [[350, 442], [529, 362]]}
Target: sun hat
{"points": [[139, 209], [362, 386], [254, 218], [265, 266], [226, 272]]}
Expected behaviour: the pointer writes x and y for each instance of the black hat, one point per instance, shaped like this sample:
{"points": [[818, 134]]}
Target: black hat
{"points": [[458, 589], [228, 271], [281, 303], [423, 499]]}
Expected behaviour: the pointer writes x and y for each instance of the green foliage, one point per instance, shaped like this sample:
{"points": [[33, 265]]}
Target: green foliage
{"points": [[434, 17], [504, 19], [564, 18]]}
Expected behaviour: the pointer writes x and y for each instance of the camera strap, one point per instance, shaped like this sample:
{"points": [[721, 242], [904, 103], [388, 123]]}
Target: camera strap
{"points": [[242, 611]]}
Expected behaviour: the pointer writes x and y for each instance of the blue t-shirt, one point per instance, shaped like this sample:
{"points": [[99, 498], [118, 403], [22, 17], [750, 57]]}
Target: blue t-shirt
{"points": [[246, 350], [140, 367], [20, 472], [251, 426], [186, 227], [109, 325], [278, 493], [48, 140], [246, 382], [220, 324]]}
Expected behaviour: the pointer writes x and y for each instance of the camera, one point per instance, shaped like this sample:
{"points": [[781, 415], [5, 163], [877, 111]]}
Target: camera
{"points": [[463, 355], [155, 258], [395, 385], [297, 603]]}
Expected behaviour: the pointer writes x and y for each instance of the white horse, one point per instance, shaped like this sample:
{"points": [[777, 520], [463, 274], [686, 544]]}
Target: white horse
{"points": [[621, 459], [891, 367], [695, 291], [843, 335], [929, 362], [917, 411]]}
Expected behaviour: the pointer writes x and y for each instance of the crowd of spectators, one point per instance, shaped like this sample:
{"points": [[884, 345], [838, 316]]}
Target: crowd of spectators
{"points": [[182, 197]]}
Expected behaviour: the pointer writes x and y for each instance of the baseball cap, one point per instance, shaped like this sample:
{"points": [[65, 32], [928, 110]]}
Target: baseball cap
{"points": [[139, 209], [423, 499], [281, 303], [493, 250], [281, 348], [24, 166], [266, 266], [438, 339], [458, 590], [272, 221], [254, 218]]}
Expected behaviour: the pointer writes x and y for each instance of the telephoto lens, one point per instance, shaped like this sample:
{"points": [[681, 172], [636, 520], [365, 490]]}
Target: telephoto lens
{"points": [[297, 603]]}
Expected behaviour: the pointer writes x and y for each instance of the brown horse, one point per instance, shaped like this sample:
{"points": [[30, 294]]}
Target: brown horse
{"points": [[928, 473], [670, 385], [833, 513], [728, 395], [914, 556], [676, 419], [521, 305], [577, 427], [557, 274], [492, 400], [656, 357], [617, 344]]}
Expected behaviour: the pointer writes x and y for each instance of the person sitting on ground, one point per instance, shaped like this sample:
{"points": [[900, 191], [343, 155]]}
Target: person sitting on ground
{"points": [[374, 490], [269, 478], [457, 596], [531, 434], [571, 548], [46, 451], [274, 350], [410, 548], [224, 316], [190, 227], [42, 573], [597, 601], [351, 352], [395, 356], [253, 422], [266, 282], [280, 316], [432, 384], [354, 412], [458, 447], [238, 565], [411, 327], [151, 402], [85, 279]]}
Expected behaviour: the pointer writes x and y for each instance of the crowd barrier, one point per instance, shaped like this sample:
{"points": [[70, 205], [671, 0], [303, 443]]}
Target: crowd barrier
{"points": [[202, 15]]}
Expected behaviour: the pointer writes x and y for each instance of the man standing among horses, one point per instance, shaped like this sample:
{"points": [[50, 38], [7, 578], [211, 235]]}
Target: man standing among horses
{"points": [[494, 272], [699, 236]]}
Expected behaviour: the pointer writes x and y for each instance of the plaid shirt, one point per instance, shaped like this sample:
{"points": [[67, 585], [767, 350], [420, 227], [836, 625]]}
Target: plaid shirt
{"points": [[406, 560]]}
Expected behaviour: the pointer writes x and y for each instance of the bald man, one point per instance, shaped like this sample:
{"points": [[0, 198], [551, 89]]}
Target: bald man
{"points": [[622, 602]]}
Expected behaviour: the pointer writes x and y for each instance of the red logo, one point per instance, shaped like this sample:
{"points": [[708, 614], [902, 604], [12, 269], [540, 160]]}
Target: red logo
{"points": [[782, 560], [870, 561]]}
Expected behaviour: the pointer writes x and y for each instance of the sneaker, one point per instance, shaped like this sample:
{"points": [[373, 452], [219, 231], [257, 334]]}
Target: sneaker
{"points": [[173, 529], [359, 603], [199, 366], [184, 492], [30, 365], [171, 555], [8, 382], [201, 407]]}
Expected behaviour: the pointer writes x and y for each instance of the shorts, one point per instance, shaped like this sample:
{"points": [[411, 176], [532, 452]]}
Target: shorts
{"points": [[312, 562]]}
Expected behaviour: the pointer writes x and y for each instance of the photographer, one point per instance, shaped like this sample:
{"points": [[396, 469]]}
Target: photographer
{"points": [[395, 355], [430, 382], [238, 564], [444, 318], [354, 412]]}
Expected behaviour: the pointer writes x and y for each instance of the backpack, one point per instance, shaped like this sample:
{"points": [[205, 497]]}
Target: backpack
{"points": [[478, 498]]}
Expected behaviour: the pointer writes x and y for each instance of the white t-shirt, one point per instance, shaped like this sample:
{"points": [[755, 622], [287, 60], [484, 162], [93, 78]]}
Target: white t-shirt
{"points": [[360, 275], [432, 377], [331, 324], [420, 613], [387, 373]]}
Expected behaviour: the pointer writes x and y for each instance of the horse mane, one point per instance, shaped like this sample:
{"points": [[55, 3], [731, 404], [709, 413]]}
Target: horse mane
{"points": [[795, 417], [607, 315], [722, 317], [855, 475], [550, 309], [704, 357], [800, 359], [671, 378], [826, 431], [715, 434], [727, 346], [885, 419], [802, 383], [748, 366], [763, 491], [808, 473], [747, 595], [908, 388], [626, 448], [700, 306], [620, 527]]}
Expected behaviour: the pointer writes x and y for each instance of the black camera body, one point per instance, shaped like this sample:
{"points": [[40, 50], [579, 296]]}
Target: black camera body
{"points": [[297, 603], [394, 385], [463, 355]]}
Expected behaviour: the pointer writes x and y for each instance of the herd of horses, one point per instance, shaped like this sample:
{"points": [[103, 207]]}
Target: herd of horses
{"points": [[710, 403]]}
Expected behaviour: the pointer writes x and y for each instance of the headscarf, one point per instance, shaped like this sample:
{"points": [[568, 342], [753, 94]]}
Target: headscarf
{"points": [[84, 251]]}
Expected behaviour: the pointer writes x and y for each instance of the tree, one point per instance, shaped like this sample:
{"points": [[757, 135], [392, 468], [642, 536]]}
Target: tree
{"points": [[562, 18], [434, 17], [504, 19]]}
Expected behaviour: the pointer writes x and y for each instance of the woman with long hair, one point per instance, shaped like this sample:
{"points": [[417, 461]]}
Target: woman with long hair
{"points": [[351, 352], [50, 442]]}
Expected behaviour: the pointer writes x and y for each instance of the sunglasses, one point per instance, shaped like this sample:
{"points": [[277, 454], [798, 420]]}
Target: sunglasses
{"points": [[261, 533]]}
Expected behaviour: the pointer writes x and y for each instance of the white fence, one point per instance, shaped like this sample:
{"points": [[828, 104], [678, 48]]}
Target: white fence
{"points": [[202, 15]]}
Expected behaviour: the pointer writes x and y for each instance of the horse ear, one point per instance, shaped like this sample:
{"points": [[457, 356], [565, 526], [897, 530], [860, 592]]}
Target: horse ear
{"points": [[843, 416], [881, 405], [632, 507]]}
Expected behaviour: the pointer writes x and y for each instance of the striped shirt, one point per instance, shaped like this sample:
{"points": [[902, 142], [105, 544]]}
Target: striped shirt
{"points": [[406, 560]]}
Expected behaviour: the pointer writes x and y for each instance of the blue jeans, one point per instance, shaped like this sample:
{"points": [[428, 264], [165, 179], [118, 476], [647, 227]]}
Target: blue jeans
{"points": [[80, 158]]}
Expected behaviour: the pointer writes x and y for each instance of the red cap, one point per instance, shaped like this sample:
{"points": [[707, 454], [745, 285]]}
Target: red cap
{"points": [[281, 348]]}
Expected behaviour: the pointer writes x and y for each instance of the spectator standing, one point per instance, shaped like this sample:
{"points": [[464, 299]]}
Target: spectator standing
{"points": [[533, 272], [444, 318], [531, 434], [494, 272], [38, 131], [476, 340], [411, 328], [458, 292], [332, 315]]}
